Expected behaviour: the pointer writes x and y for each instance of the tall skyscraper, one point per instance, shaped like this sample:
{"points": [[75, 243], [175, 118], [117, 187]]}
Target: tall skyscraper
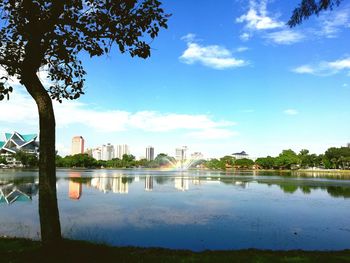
{"points": [[107, 152], [180, 153], [150, 153], [77, 145], [121, 150]]}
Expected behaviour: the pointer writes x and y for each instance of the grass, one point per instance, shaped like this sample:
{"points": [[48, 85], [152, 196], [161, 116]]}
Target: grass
{"points": [[24, 250]]}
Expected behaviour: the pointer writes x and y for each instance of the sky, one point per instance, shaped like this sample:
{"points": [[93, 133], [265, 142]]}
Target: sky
{"points": [[221, 79]]}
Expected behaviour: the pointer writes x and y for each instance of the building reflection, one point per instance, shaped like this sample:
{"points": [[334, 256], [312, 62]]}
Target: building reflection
{"points": [[149, 183], [75, 186], [182, 183], [118, 185], [10, 193]]}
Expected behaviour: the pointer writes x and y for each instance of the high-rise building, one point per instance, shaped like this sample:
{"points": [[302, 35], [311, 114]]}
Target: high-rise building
{"points": [[120, 150], [77, 145], [150, 153], [96, 154], [107, 152], [180, 153]]}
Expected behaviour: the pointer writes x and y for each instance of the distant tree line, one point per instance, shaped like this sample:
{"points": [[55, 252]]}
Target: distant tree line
{"points": [[127, 161], [333, 158]]}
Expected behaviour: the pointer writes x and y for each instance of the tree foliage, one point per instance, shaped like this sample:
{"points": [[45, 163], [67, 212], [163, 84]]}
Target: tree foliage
{"points": [[244, 163], [3, 160], [26, 159], [266, 162], [308, 8], [59, 30]]}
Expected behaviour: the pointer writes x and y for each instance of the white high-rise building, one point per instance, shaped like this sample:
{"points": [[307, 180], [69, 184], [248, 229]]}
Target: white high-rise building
{"points": [[96, 154], [120, 150], [77, 145], [180, 153], [150, 153], [107, 152]]}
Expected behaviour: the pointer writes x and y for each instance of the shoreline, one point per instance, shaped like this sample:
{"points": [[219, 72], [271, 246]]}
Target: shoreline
{"points": [[26, 250], [325, 171]]}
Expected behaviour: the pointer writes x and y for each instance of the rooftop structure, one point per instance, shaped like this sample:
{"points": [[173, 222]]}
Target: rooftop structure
{"points": [[15, 142], [240, 155]]}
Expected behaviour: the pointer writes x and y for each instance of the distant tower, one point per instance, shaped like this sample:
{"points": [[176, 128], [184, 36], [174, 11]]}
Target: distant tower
{"points": [[348, 145], [77, 145], [180, 153], [150, 153]]}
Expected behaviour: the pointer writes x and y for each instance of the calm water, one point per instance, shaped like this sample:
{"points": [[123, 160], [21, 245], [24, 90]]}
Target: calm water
{"points": [[191, 210]]}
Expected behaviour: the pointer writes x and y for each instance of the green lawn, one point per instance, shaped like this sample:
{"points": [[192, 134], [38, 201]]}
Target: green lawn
{"points": [[22, 250]]}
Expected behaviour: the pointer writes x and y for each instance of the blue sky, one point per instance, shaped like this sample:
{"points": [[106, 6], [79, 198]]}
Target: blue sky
{"points": [[223, 78]]}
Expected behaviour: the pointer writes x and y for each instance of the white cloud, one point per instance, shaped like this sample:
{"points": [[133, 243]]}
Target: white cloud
{"points": [[257, 17], [324, 68], [285, 37], [213, 56], [241, 49], [190, 37], [304, 69], [291, 112], [245, 36], [332, 22], [23, 110]]}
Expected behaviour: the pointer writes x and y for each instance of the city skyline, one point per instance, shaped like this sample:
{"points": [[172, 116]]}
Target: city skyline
{"points": [[246, 82]]}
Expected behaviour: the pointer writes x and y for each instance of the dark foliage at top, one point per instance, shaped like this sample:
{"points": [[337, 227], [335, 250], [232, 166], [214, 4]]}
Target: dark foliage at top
{"points": [[308, 8], [48, 35]]}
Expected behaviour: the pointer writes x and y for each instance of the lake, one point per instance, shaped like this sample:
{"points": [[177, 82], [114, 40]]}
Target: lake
{"points": [[194, 210]]}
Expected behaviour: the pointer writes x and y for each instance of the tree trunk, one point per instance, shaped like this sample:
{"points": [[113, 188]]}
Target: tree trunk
{"points": [[48, 208]]}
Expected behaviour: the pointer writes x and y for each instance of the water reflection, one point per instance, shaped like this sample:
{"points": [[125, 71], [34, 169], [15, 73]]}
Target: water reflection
{"points": [[194, 210], [118, 185], [11, 192], [121, 184], [182, 183], [75, 186], [149, 183]]}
